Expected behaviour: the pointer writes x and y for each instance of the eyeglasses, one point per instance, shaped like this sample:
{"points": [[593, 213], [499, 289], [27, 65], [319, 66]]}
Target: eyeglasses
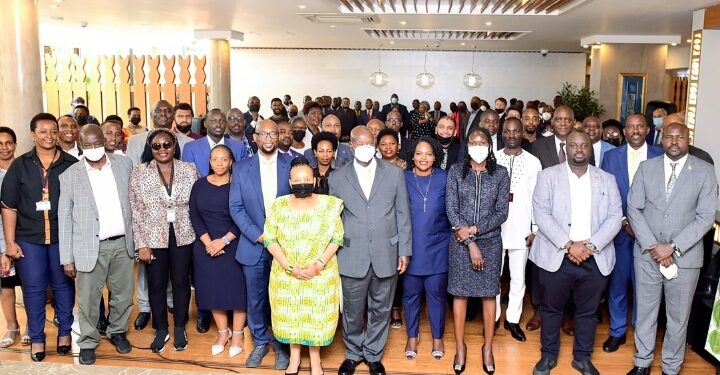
{"points": [[235, 118], [267, 134], [166, 145]]}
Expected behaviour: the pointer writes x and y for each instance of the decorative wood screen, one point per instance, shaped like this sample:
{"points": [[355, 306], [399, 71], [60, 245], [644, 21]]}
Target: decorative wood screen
{"points": [[112, 84], [678, 92]]}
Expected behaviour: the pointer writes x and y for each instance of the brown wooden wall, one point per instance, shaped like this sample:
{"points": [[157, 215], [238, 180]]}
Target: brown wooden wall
{"points": [[678, 92]]}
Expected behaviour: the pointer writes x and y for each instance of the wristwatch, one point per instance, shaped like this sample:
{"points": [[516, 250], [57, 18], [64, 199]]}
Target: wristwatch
{"points": [[225, 240], [676, 249], [592, 247]]}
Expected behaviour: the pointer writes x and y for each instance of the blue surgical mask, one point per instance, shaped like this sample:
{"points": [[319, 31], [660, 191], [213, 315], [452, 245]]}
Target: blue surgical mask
{"points": [[657, 121]]}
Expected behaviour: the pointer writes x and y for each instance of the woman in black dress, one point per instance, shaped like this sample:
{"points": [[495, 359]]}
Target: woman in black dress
{"points": [[477, 204], [422, 122], [219, 279], [324, 145]]}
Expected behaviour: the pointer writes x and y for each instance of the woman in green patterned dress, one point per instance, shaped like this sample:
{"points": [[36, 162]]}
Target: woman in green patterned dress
{"points": [[303, 231]]}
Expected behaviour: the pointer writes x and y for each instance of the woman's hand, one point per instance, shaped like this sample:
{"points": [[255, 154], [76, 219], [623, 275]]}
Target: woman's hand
{"points": [[301, 273], [462, 233], [145, 255], [5, 263], [215, 248], [14, 251], [476, 257]]}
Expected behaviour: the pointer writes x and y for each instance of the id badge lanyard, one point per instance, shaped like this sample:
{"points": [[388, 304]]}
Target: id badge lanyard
{"points": [[170, 210], [44, 204]]}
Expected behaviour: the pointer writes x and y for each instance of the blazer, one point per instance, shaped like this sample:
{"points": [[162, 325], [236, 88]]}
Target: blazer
{"points": [[442, 114], [604, 148], [198, 153], [148, 200], [684, 218], [552, 212], [615, 162], [403, 112], [544, 149], [377, 230], [78, 213], [246, 204], [343, 155], [365, 116]]}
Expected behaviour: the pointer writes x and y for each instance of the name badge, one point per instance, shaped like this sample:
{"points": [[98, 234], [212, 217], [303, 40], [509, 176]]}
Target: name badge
{"points": [[510, 197], [42, 206], [170, 216]]}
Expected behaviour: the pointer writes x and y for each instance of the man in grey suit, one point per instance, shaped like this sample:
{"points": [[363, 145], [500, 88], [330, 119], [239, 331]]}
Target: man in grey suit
{"points": [[96, 239], [578, 211], [671, 205], [377, 247]]}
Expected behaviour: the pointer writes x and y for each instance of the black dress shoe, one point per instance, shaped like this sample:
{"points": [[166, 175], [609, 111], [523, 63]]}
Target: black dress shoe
{"points": [[515, 331], [203, 324], [87, 356], [613, 343], [122, 345], [38, 356], [348, 367], [585, 367], [639, 371], [142, 320], [376, 368], [63, 349], [544, 365]]}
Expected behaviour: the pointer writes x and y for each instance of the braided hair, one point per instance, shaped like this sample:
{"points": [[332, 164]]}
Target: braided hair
{"points": [[490, 161]]}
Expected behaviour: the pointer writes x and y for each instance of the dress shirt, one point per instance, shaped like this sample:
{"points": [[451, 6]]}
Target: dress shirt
{"points": [[597, 149], [557, 147], [74, 151], [494, 142], [634, 158], [118, 152], [523, 169], [366, 176], [107, 200], [213, 144], [668, 169], [268, 179], [580, 206]]}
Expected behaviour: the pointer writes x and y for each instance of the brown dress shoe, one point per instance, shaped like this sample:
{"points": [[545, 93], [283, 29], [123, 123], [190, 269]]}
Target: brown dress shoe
{"points": [[534, 323], [568, 326]]}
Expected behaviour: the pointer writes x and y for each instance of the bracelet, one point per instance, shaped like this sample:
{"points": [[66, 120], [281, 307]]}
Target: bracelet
{"points": [[289, 269], [8, 243], [320, 260]]}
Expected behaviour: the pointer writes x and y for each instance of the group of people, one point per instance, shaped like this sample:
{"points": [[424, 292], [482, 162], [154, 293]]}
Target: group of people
{"points": [[294, 225]]}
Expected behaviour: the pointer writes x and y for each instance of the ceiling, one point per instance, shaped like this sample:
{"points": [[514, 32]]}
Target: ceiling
{"points": [[169, 24]]}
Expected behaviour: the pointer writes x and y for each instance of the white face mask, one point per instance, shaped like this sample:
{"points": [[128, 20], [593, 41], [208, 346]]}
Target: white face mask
{"points": [[547, 116], [393, 100], [483, 108], [94, 154], [364, 153], [478, 153]]}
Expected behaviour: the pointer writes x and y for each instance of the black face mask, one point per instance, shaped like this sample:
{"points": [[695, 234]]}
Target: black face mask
{"points": [[499, 110], [286, 102], [254, 107], [444, 140], [475, 106], [298, 135], [183, 129], [302, 190], [292, 114], [614, 141], [135, 120], [81, 120]]}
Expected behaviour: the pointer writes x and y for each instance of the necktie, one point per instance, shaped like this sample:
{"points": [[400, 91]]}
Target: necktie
{"points": [[634, 164], [671, 181], [561, 153], [657, 138]]}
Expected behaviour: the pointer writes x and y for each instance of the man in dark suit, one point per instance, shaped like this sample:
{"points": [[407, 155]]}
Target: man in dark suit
{"points": [[265, 176], [470, 118], [395, 122], [348, 119], [671, 206], [368, 113], [437, 114], [377, 247], [252, 117], [395, 103], [491, 121], [622, 163], [343, 154]]}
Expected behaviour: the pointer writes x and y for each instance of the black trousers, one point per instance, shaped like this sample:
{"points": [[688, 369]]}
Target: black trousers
{"points": [[585, 287], [176, 262]]}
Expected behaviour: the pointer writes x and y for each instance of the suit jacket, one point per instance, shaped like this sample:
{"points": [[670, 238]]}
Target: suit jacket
{"points": [[544, 149], [291, 153], [148, 200], [684, 218], [348, 120], [442, 114], [552, 212], [198, 153], [343, 155], [246, 204], [615, 162], [365, 116], [250, 130], [604, 147], [403, 111], [78, 215], [377, 230]]}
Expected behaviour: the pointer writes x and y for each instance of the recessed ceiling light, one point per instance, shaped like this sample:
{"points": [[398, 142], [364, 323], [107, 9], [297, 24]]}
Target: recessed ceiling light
{"points": [[332, 25], [585, 46], [302, 6], [462, 44], [403, 23], [488, 23], [392, 42], [673, 44], [689, 40], [598, 43]]}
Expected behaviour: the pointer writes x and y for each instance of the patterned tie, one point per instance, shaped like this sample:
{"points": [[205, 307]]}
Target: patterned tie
{"points": [[561, 153], [671, 181]]}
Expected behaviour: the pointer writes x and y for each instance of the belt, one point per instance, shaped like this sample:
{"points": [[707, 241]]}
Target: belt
{"points": [[113, 238]]}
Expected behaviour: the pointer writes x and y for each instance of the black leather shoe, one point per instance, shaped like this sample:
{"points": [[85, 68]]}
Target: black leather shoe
{"points": [[585, 367], [87, 356], [348, 367], [203, 325], [515, 331], [544, 365], [639, 371], [38, 356], [122, 345], [142, 320], [613, 343], [376, 368], [63, 349]]}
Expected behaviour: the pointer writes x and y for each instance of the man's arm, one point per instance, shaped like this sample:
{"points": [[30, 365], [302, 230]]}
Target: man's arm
{"points": [[704, 212], [635, 206], [65, 220], [542, 199], [609, 228], [402, 214], [238, 210]]}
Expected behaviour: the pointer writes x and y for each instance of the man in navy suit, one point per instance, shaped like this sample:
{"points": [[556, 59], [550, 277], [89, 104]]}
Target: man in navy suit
{"points": [[368, 113], [623, 162], [264, 177], [198, 151]]}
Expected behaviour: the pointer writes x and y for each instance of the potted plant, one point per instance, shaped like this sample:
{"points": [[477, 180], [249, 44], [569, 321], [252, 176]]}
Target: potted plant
{"points": [[582, 101]]}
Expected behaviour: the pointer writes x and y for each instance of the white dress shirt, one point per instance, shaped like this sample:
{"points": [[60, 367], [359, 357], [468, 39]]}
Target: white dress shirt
{"points": [[268, 179], [634, 158], [580, 206], [213, 144], [107, 200], [523, 170], [668, 169], [366, 175], [494, 142], [597, 149], [74, 151]]}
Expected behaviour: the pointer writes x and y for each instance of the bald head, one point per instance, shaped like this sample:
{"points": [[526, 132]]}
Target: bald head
{"points": [[90, 129], [375, 126], [678, 117], [361, 135], [331, 123]]}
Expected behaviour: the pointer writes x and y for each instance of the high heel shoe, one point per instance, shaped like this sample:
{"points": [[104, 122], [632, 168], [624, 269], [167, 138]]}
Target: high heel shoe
{"points": [[297, 370], [460, 368], [489, 369], [38, 356], [235, 350], [63, 349], [217, 348], [437, 353], [411, 354]]}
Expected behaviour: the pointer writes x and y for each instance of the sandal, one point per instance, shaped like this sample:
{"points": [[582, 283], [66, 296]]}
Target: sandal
{"points": [[235, 350], [25, 339], [217, 348], [9, 339], [395, 322], [411, 354], [437, 353]]}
